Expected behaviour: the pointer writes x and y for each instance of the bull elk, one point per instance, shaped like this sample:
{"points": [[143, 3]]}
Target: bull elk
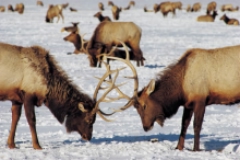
{"points": [[73, 28], [127, 32], [30, 76], [54, 11], [229, 21], [166, 7], [10, 8], [2, 9], [192, 85]]}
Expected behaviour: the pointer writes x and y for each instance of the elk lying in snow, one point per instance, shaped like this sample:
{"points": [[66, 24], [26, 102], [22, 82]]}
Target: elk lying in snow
{"points": [[2, 9], [147, 10], [19, 8], [64, 6], [207, 18], [127, 32], [196, 7], [72, 9], [101, 6], [31, 76], [54, 11], [229, 21], [192, 85], [228, 7], [73, 28], [77, 41], [39, 3], [100, 17], [211, 7]]}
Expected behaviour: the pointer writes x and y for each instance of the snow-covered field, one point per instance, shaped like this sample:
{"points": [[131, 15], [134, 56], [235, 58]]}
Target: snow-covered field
{"points": [[163, 41]]}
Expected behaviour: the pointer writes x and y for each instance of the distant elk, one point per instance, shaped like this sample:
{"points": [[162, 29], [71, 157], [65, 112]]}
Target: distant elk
{"points": [[196, 7], [131, 3], [65, 5], [101, 6], [147, 10], [177, 5], [207, 18], [211, 7], [38, 80], [229, 7], [166, 7], [116, 12], [72, 9], [101, 18], [126, 32], [73, 28], [54, 11], [19, 8], [10, 8], [39, 3], [192, 85], [229, 21], [188, 9], [2, 8]]}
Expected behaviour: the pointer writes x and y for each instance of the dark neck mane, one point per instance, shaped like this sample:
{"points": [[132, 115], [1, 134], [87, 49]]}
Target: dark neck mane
{"points": [[168, 90], [63, 96]]}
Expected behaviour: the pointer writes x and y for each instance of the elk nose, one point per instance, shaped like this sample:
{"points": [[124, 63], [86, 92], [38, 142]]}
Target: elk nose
{"points": [[86, 138], [145, 128]]}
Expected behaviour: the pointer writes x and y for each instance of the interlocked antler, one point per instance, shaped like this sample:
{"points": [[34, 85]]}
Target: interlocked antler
{"points": [[113, 86]]}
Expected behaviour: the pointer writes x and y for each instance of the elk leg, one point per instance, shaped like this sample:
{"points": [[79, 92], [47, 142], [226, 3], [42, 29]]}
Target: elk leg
{"points": [[31, 118], [199, 111], [16, 114], [186, 118]]}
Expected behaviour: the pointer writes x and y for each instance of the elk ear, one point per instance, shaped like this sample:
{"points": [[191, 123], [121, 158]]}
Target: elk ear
{"points": [[150, 87], [81, 107]]}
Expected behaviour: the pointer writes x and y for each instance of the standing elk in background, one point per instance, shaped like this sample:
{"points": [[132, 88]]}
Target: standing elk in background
{"points": [[196, 7], [101, 6], [73, 28], [177, 5], [54, 11], [101, 18], [37, 79], [10, 8], [228, 7], [211, 7], [229, 21], [127, 32], [192, 85], [39, 3], [2, 9], [131, 3], [19, 8], [207, 18], [72, 9], [166, 7], [110, 3]]}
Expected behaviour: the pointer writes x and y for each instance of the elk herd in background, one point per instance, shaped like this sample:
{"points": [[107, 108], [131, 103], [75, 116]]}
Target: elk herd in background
{"points": [[39, 80]]}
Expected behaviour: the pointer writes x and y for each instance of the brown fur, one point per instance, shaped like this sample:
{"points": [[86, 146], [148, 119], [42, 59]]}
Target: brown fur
{"points": [[10, 8], [116, 12], [228, 7], [196, 7], [75, 38], [229, 21], [19, 8], [101, 18], [2, 9], [101, 6], [73, 28], [211, 7], [207, 18], [54, 11], [31, 76], [65, 5], [110, 34], [40, 3], [166, 7], [189, 84]]}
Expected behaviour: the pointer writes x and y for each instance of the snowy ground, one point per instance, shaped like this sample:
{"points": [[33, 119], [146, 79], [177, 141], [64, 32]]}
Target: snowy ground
{"points": [[163, 41]]}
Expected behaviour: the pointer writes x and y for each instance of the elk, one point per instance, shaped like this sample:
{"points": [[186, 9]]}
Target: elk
{"points": [[64, 6], [10, 8], [127, 32], [73, 28], [207, 18], [192, 85], [116, 12], [101, 18], [54, 11], [101, 6], [177, 5], [188, 9], [72, 9], [228, 7], [39, 3], [196, 7], [211, 7], [19, 8], [37, 79], [147, 10], [2, 9], [166, 7], [77, 41], [229, 21], [131, 3]]}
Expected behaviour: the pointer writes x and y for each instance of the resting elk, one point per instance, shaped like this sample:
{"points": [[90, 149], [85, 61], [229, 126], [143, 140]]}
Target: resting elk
{"points": [[77, 41], [109, 34], [207, 18], [229, 21], [54, 11], [192, 85], [30, 76]]}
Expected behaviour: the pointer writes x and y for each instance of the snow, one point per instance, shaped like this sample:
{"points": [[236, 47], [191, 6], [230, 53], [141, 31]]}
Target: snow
{"points": [[163, 41]]}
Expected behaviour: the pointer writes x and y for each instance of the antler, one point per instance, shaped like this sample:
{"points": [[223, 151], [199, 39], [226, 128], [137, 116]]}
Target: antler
{"points": [[113, 86]]}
